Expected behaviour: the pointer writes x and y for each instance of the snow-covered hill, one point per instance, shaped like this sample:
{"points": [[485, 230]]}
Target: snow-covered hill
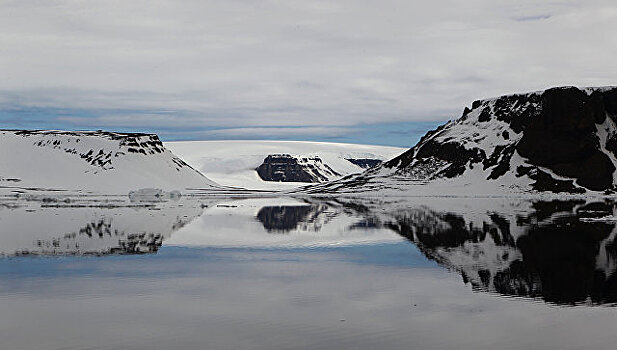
{"points": [[562, 140], [91, 162], [234, 163]]}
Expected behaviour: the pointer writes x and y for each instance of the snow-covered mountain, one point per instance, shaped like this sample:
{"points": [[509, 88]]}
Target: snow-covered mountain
{"points": [[561, 140], [288, 168], [91, 162], [277, 165]]}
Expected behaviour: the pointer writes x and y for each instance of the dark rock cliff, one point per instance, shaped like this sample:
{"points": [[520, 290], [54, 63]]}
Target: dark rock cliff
{"points": [[563, 131], [365, 163], [563, 137], [288, 168]]}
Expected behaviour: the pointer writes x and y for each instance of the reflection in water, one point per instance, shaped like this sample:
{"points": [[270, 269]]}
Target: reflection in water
{"points": [[314, 215], [563, 252], [90, 227], [281, 222], [283, 219], [346, 274], [311, 216]]}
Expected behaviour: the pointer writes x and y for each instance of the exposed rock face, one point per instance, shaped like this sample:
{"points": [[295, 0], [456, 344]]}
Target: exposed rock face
{"points": [[146, 144], [559, 140], [364, 162], [563, 137], [288, 168]]}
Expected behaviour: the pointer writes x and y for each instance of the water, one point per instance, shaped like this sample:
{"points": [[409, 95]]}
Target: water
{"points": [[283, 273]]}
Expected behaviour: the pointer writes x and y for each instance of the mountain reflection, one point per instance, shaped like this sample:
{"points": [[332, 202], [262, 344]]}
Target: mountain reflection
{"points": [[313, 215], [561, 252], [90, 227], [107, 234], [283, 219]]}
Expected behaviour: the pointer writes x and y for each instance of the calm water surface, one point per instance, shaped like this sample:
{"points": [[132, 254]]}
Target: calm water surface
{"points": [[283, 273]]}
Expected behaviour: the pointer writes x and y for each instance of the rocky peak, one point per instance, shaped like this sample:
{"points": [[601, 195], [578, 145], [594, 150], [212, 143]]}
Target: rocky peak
{"points": [[559, 140], [289, 168]]}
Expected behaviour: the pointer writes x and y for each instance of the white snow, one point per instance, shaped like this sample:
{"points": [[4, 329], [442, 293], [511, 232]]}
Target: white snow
{"points": [[605, 131], [475, 134], [91, 162], [233, 163]]}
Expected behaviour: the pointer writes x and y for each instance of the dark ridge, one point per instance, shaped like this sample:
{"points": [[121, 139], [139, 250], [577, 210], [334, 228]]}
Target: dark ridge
{"points": [[138, 143], [364, 162], [562, 137], [407, 157], [285, 168], [558, 130]]}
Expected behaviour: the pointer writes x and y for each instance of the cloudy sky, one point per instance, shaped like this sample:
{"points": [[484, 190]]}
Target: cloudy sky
{"points": [[380, 72]]}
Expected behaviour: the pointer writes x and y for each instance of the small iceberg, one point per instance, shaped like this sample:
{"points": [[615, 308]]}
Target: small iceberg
{"points": [[153, 195]]}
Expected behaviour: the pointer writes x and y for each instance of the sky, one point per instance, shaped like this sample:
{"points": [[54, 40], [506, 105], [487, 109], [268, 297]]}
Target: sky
{"points": [[376, 72]]}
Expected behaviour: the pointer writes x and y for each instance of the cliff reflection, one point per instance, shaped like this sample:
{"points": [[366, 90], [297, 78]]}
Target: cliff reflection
{"points": [[561, 252], [282, 219]]}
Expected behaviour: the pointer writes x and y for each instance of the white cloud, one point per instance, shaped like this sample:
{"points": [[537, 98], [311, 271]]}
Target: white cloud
{"points": [[282, 132], [294, 63]]}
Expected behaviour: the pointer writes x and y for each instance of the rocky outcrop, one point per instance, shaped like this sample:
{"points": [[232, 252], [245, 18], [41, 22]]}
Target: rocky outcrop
{"points": [[365, 163], [557, 129], [564, 136], [288, 168], [561, 140], [139, 143]]}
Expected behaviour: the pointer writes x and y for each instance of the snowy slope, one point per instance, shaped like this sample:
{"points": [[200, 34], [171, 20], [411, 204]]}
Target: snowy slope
{"points": [[233, 163], [560, 141], [91, 162]]}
